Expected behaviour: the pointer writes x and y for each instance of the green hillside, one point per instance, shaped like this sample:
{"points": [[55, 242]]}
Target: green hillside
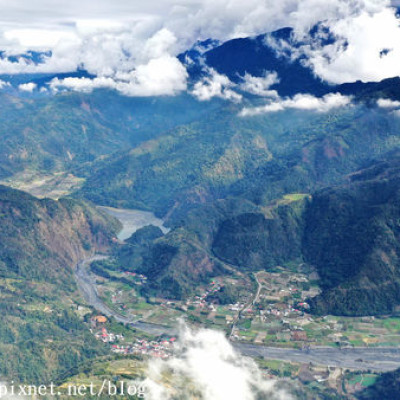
{"points": [[259, 159], [352, 236], [348, 232], [234, 190], [387, 387], [42, 336], [50, 133]]}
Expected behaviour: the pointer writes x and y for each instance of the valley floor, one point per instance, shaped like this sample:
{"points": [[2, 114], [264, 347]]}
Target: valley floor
{"points": [[376, 359], [269, 322]]}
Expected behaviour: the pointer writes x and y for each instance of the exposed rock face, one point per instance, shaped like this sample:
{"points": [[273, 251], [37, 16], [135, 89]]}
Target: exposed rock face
{"points": [[42, 335], [44, 239]]}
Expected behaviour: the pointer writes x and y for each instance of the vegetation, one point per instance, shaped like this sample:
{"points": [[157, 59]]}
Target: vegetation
{"points": [[42, 335], [234, 190], [238, 193], [352, 236], [67, 131], [387, 387], [253, 241]]}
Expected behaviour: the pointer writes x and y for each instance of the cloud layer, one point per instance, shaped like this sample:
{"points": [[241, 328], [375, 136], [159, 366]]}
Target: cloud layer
{"points": [[367, 48], [215, 85], [132, 46], [300, 102], [206, 366]]}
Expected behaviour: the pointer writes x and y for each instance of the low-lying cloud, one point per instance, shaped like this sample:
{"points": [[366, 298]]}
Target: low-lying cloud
{"points": [[300, 102], [132, 46], [206, 366], [260, 85], [27, 87], [392, 106], [387, 103], [215, 85], [159, 77]]}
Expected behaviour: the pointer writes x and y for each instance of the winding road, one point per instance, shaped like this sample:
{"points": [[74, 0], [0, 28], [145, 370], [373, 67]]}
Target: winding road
{"points": [[88, 288], [361, 358]]}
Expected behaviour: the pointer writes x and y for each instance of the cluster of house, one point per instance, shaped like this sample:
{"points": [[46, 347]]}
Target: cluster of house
{"points": [[279, 295], [157, 349], [291, 315], [139, 278], [98, 328], [116, 297], [162, 348], [280, 310], [236, 307], [108, 337], [200, 301]]}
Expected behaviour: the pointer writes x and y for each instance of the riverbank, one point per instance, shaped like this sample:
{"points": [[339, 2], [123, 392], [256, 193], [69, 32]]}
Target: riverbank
{"points": [[363, 359], [132, 220]]}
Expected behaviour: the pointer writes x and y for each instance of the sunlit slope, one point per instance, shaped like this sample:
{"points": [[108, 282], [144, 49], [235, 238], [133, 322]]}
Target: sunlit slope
{"points": [[42, 333], [259, 158], [49, 133]]}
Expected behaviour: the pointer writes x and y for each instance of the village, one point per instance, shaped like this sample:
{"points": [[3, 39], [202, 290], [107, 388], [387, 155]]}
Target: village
{"points": [[261, 308], [158, 348], [264, 308], [325, 378]]}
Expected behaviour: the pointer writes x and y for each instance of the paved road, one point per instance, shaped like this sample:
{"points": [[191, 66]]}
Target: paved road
{"points": [[87, 286], [375, 359], [259, 287]]}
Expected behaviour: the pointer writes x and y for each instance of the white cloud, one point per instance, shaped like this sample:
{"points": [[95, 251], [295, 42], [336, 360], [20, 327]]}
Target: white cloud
{"points": [[30, 38], [160, 76], [260, 86], [189, 20], [215, 85], [125, 58], [120, 37], [301, 102], [27, 87], [206, 366], [387, 103], [82, 84], [392, 105], [134, 70], [367, 49], [4, 84]]}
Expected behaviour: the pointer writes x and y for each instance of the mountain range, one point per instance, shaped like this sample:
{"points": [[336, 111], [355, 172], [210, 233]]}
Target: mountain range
{"points": [[286, 188]]}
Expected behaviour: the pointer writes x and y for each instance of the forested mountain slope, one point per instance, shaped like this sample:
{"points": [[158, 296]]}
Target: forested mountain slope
{"points": [[42, 336]]}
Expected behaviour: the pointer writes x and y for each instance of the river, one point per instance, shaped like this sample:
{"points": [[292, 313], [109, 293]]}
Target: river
{"points": [[132, 220]]}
